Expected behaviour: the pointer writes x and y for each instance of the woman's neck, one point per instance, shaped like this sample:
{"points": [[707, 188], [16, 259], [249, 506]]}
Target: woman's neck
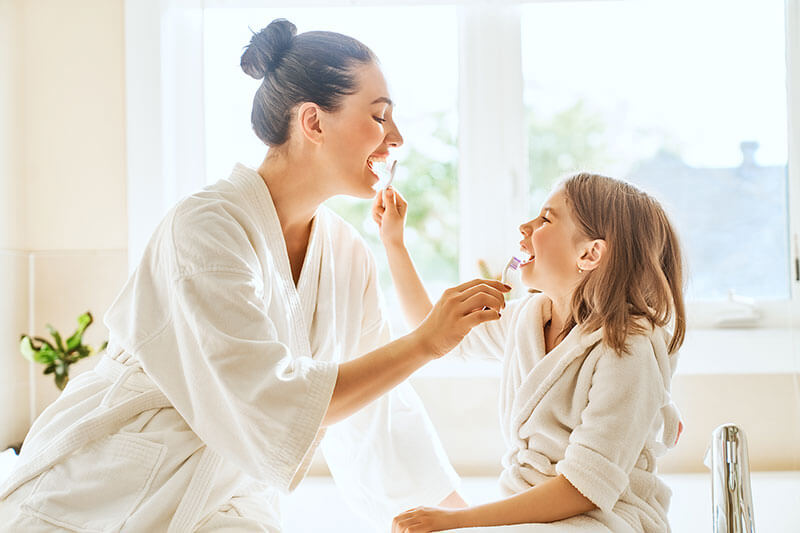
{"points": [[294, 186]]}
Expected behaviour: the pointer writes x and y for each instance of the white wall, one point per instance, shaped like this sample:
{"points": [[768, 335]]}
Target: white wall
{"points": [[63, 227]]}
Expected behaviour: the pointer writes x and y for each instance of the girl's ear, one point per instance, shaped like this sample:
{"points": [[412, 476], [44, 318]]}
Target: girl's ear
{"points": [[309, 115], [592, 255]]}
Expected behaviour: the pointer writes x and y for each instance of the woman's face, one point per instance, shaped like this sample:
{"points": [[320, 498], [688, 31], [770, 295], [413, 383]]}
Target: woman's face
{"points": [[553, 246], [361, 132]]}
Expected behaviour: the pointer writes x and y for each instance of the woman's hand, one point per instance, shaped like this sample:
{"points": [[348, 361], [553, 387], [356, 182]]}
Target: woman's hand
{"points": [[389, 211], [425, 519], [459, 310]]}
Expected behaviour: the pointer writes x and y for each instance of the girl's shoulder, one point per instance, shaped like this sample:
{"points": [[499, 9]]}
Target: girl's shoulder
{"points": [[646, 354]]}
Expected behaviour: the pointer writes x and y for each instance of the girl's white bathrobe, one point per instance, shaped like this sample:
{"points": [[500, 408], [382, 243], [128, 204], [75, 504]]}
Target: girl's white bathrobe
{"points": [[583, 411], [209, 400]]}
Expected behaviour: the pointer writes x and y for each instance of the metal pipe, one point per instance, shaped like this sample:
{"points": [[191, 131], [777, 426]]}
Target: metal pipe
{"points": [[731, 496]]}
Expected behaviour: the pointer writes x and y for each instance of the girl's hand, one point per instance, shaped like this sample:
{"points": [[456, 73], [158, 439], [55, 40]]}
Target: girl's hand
{"points": [[425, 519], [389, 211], [460, 309]]}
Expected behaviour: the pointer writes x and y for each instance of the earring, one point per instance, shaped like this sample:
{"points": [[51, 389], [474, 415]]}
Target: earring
{"points": [[580, 270]]}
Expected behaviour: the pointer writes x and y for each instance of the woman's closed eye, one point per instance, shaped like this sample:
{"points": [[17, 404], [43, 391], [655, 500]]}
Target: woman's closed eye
{"points": [[379, 120]]}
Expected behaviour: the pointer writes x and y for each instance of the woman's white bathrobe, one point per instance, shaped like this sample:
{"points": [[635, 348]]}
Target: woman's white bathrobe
{"points": [[583, 411], [219, 371]]}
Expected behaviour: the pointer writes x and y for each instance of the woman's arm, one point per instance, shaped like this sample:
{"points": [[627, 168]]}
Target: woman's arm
{"points": [[363, 380], [555, 499], [389, 212]]}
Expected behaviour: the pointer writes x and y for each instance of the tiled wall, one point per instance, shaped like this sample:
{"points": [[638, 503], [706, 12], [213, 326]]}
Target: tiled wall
{"points": [[15, 413], [65, 284]]}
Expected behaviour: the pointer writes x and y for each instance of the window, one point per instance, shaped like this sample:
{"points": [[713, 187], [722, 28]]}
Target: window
{"points": [[497, 101], [642, 91], [423, 79]]}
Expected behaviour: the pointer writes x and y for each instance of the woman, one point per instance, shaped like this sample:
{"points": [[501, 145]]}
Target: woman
{"points": [[236, 342]]}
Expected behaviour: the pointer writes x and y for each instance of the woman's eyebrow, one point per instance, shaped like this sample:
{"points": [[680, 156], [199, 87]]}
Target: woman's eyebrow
{"points": [[548, 209], [383, 100]]}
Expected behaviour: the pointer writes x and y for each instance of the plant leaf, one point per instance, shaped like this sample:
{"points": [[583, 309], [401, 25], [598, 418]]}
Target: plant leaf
{"points": [[84, 321], [45, 342], [50, 369], [61, 380], [45, 354], [27, 349], [57, 336]]}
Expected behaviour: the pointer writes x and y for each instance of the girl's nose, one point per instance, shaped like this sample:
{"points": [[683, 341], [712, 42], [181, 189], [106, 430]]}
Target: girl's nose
{"points": [[525, 229]]}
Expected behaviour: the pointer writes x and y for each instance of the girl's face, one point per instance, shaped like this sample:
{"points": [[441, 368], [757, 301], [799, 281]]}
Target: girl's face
{"points": [[359, 133], [554, 247]]}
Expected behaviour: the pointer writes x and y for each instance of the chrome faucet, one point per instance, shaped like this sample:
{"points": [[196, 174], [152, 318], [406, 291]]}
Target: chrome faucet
{"points": [[731, 496]]}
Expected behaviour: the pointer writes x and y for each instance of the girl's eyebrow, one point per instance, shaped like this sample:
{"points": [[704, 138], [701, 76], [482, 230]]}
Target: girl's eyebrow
{"points": [[549, 209], [383, 100]]}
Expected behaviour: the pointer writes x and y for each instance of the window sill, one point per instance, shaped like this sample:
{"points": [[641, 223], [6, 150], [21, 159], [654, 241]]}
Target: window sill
{"points": [[705, 352]]}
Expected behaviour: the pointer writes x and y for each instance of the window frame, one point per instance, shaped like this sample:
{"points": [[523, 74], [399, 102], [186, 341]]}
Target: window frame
{"points": [[165, 130]]}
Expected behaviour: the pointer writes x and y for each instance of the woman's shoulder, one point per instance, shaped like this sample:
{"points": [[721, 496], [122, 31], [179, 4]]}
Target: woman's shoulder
{"points": [[211, 229]]}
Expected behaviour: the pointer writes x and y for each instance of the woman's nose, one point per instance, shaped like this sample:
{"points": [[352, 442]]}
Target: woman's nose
{"points": [[393, 137], [525, 229]]}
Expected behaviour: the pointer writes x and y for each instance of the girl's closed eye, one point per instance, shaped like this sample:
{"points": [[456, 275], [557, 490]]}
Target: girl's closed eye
{"points": [[379, 120]]}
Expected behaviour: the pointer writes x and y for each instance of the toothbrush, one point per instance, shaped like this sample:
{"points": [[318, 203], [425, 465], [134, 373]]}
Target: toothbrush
{"points": [[513, 264], [392, 170]]}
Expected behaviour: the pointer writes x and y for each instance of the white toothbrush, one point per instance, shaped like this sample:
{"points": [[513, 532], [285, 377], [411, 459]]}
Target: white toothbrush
{"points": [[392, 170], [513, 264]]}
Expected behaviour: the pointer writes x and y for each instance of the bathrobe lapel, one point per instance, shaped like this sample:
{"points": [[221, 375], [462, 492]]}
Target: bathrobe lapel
{"points": [[317, 290], [299, 305], [532, 373]]}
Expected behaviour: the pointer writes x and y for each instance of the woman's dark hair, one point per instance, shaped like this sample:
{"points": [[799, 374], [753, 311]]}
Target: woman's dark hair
{"points": [[316, 66]]}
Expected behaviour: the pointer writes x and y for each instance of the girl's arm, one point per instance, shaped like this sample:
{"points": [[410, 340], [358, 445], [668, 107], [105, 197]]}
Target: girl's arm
{"points": [[389, 212], [555, 499]]}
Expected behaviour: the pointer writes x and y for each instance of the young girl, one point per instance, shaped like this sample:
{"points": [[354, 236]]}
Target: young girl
{"points": [[587, 363]]}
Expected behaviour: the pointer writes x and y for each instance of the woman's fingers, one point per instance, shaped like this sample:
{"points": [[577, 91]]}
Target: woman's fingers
{"points": [[400, 202], [483, 288], [479, 317], [499, 285], [481, 301], [377, 202]]}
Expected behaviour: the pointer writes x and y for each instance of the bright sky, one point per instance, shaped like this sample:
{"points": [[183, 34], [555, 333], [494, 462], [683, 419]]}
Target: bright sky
{"points": [[709, 73]]}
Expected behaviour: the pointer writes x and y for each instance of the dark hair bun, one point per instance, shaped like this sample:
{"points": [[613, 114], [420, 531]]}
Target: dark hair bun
{"points": [[267, 48]]}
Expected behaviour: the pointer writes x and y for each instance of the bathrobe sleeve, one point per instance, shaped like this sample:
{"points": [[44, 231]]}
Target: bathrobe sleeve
{"points": [[624, 399], [387, 457], [488, 340], [239, 388]]}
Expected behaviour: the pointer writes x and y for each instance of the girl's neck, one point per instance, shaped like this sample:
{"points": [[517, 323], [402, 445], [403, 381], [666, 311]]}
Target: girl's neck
{"points": [[559, 315]]}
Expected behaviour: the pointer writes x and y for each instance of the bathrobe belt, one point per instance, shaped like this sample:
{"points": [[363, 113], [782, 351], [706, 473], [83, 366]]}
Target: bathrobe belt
{"points": [[109, 419]]}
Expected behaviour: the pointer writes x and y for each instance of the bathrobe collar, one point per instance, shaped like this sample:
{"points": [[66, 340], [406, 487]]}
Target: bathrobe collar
{"points": [[535, 371], [316, 276]]}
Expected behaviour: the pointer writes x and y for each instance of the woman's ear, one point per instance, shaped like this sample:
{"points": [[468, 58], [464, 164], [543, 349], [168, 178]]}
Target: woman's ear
{"points": [[309, 115], [592, 255]]}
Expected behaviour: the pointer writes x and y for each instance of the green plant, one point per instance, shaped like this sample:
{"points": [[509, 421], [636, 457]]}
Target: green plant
{"points": [[58, 355]]}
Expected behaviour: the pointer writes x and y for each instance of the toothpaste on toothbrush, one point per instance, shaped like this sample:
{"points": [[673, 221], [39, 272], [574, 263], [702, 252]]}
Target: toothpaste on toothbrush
{"points": [[385, 171], [513, 264]]}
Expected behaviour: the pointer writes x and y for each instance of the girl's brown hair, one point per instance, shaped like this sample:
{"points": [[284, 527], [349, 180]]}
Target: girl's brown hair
{"points": [[640, 278]]}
